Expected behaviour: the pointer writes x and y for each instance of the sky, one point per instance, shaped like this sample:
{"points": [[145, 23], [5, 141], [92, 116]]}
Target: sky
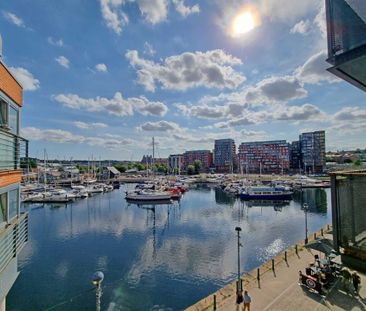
{"points": [[102, 77]]}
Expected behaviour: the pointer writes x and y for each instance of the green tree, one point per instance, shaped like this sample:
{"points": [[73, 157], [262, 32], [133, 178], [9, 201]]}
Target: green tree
{"points": [[33, 163], [197, 166], [357, 162], [190, 170], [120, 167]]}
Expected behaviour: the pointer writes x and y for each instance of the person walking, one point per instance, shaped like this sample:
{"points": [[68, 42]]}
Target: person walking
{"points": [[356, 280], [247, 301]]}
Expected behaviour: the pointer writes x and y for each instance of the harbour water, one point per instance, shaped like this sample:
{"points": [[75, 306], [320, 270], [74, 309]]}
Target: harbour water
{"points": [[163, 257]]}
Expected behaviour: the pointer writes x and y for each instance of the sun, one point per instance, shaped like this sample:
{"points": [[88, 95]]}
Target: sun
{"points": [[243, 23]]}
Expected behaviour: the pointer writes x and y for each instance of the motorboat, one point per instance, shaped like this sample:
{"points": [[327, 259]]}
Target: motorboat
{"points": [[145, 195], [266, 193]]}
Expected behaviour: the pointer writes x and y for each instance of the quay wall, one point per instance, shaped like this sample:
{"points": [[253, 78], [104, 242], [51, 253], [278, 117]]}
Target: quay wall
{"points": [[252, 279]]}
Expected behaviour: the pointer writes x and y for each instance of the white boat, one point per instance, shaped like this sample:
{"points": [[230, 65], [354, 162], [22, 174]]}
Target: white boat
{"points": [[144, 195], [108, 188], [266, 193], [97, 188]]}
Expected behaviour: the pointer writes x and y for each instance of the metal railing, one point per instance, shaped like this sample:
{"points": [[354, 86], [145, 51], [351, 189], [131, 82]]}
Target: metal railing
{"points": [[12, 239], [13, 151]]}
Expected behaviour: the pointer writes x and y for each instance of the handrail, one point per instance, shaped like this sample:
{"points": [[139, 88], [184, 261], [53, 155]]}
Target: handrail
{"points": [[12, 239], [13, 151]]}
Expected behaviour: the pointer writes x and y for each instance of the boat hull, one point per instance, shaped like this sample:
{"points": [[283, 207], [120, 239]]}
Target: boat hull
{"points": [[280, 196]]}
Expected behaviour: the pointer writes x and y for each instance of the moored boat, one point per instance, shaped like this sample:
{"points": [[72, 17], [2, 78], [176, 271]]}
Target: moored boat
{"points": [[266, 193], [143, 195]]}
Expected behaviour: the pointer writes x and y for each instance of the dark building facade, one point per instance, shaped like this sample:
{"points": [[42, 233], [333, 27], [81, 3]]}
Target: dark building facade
{"points": [[312, 146], [225, 155], [295, 156], [264, 156]]}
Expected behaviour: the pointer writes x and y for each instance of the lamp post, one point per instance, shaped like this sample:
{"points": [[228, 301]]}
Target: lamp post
{"points": [[97, 281], [306, 209], [238, 229]]}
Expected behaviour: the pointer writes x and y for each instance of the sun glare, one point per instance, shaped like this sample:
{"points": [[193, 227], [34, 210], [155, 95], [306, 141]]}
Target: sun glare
{"points": [[243, 23]]}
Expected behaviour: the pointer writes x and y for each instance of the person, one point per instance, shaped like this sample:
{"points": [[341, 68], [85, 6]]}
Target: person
{"points": [[356, 280], [247, 301], [239, 299]]}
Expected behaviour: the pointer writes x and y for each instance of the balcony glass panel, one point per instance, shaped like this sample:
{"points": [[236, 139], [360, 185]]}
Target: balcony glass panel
{"points": [[3, 207], [13, 203], [13, 120]]}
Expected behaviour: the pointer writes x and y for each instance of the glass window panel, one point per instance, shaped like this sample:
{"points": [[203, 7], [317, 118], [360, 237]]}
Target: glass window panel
{"points": [[13, 203], [3, 113], [3, 207], [13, 120]]}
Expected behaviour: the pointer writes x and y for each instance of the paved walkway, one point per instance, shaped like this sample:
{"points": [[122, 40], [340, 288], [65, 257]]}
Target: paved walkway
{"points": [[278, 290]]}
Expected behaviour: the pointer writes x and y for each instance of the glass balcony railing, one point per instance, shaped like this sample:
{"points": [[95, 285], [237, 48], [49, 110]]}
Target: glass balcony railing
{"points": [[12, 239], [13, 151]]}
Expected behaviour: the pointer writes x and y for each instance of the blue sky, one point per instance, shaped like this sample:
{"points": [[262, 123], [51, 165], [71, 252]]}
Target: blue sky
{"points": [[101, 77]]}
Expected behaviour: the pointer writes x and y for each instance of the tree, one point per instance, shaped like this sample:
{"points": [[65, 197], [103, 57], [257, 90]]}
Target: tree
{"points": [[197, 166], [190, 170], [357, 162], [120, 167]]}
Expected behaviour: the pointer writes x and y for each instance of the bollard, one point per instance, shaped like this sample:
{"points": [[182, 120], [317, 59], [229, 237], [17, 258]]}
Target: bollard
{"points": [[241, 284], [258, 274], [214, 304], [328, 227], [322, 231], [273, 265], [296, 250], [314, 235], [286, 256]]}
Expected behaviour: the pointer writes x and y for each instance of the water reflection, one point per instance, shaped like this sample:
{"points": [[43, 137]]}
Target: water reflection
{"points": [[154, 256], [315, 198]]}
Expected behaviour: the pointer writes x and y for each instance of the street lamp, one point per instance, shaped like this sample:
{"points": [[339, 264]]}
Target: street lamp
{"points": [[97, 281], [238, 229], [306, 209]]}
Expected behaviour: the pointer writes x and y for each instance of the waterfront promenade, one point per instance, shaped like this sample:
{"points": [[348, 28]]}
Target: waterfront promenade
{"points": [[279, 289]]}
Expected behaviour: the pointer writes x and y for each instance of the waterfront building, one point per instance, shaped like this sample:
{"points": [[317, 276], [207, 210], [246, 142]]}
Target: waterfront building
{"points": [[13, 148], [149, 160], [312, 146], [346, 29], [295, 156], [225, 155], [175, 162], [264, 156], [204, 156]]}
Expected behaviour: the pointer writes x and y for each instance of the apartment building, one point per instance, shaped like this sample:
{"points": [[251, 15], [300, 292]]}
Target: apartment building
{"points": [[225, 155], [264, 156], [13, 148]]}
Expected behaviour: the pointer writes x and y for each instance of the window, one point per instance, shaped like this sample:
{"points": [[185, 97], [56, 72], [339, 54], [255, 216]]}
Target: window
{"points": [[3, 207], [13, 120], [3, 113], [9, 117], [13, 203]]}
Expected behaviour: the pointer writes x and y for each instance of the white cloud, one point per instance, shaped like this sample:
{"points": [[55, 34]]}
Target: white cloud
{"points": [[314, 70], [185, 10], [112, 14], [62, 136], [287, 10], [302, 27], [12, 18], [55, 42], [25, 78], [350, 113], [280, 89], [160, 126], [211, 69], [63, 61], [116, 106], [101, 67], [148, 49], [87, 126], [202, 111], [298, 113], [154, 11]]}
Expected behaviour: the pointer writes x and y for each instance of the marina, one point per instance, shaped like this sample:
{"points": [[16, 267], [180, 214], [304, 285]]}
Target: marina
{"points": [[154, 255]]}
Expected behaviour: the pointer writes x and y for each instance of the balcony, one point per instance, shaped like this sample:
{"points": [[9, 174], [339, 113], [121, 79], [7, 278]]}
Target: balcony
{"points": [[12, 239], [346, 27], [13, 151]]}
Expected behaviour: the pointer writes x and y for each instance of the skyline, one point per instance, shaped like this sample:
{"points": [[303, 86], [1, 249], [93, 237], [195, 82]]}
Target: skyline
{"points": [[107, 91]]}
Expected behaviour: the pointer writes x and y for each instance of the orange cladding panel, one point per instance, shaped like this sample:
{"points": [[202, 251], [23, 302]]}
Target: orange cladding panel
{"points": [[10, 177], [10, 86]]}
